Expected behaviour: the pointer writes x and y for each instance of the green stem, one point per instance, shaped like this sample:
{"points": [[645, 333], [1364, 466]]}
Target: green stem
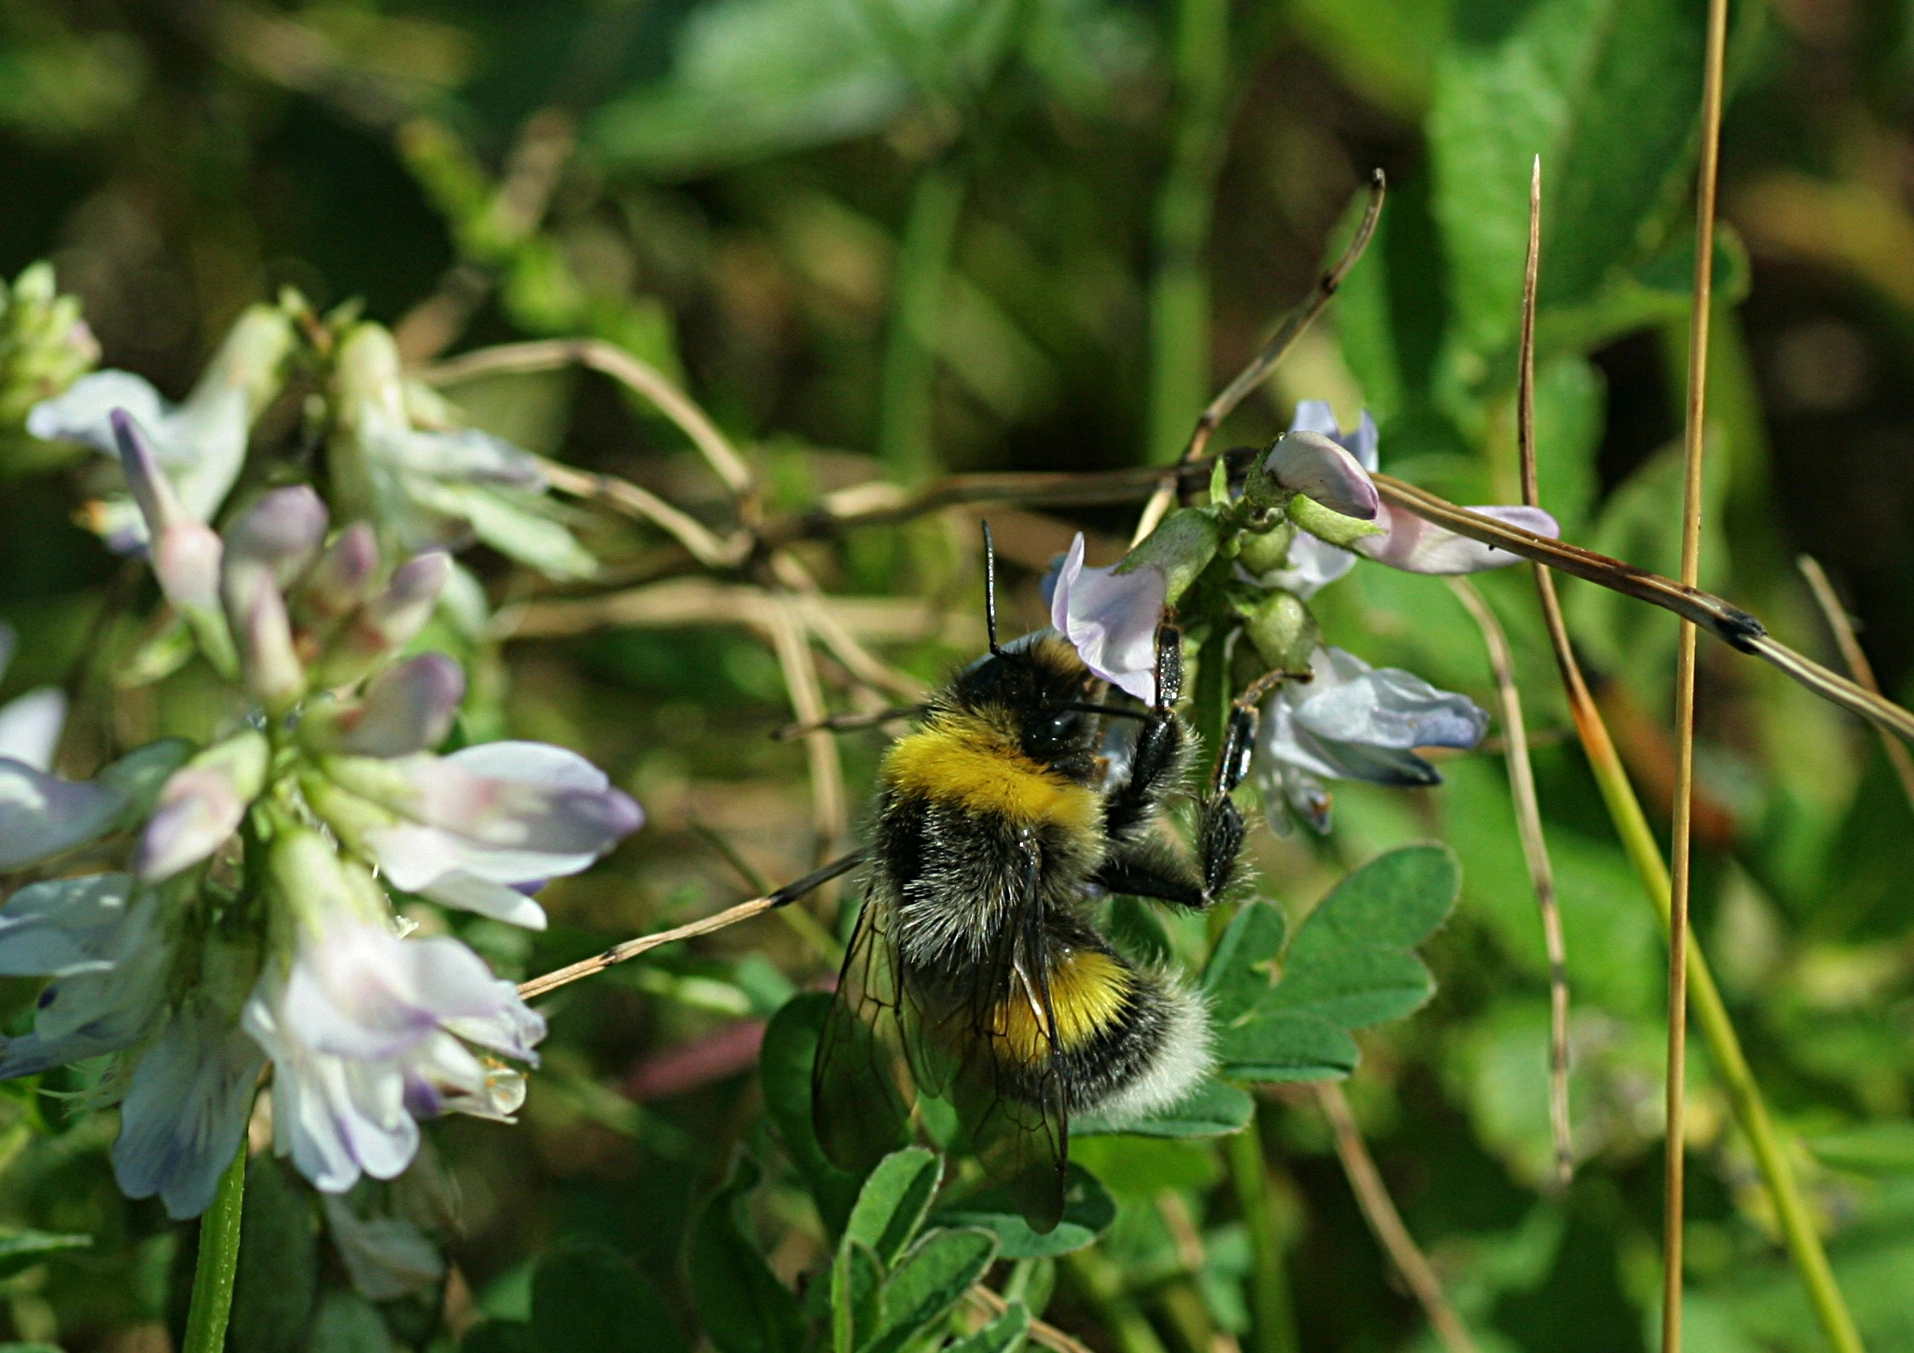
{"points": [[917, 295], [1272, 1313], [1724, 1046], [218, 1262], [1180, 291]]}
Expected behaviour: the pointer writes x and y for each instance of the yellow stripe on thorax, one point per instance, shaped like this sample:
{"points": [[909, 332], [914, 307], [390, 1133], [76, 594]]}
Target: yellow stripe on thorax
{"points": [[963, 761], [1087, 991]]}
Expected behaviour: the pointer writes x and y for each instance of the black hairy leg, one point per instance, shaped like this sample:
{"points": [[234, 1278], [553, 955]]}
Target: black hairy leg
{"points": [[1141, 865]]}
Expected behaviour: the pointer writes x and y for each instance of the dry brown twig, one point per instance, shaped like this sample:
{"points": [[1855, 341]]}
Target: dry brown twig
{"points": [[1856, 658], [1272, 352], [1373, 1196], [1682, 834]]}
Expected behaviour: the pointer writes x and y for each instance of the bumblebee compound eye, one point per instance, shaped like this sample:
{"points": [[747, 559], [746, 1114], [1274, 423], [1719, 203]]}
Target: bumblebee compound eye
{"points": [[1047, 734]]}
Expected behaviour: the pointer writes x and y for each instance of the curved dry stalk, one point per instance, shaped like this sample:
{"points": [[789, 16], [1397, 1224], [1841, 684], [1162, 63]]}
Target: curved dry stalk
{"points": [[1380, 1211], [861, 663], [647, 506], [828, 811], [1682, 833], [1528, 820], [636, 375], [1856, 658], [1267, 356], [588, 967]]}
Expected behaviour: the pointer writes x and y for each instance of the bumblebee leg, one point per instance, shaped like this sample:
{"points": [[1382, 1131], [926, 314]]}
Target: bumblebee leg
{"points": [[1219, 828], [1151, 868]]}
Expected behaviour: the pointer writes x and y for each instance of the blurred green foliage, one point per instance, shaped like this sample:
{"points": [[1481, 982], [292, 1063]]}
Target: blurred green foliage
{"points": [[900, 236]]}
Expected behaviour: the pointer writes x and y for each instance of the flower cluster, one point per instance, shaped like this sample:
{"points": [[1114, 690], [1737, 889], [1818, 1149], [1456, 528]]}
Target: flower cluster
{"points": [[1309, 509], [397, 455], [249, 923]]}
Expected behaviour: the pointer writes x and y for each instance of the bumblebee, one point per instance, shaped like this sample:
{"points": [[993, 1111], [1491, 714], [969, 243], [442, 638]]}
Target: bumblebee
{"points": [[974, 972]]}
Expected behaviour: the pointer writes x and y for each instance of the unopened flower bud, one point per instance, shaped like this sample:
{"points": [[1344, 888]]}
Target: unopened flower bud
{"points": [[267, 658], [1310, 463], [201, 806], [340, 580], [408, 708], [389, 621], [1283, 630]]}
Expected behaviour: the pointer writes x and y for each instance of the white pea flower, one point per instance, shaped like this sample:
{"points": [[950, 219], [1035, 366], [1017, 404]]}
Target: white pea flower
{"points": [[1111, 617], [1407, 542], [367, 1030], [30, 724], [482, 827], [1354, 722], [200, 443]]}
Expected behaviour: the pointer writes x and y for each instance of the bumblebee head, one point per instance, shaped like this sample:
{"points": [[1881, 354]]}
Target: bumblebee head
{"points": [[1033, 689]]}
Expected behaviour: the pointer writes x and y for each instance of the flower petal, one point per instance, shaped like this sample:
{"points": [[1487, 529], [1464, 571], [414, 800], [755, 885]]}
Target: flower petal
{"points": [[42, 815], [1111, 619], [83, 412], [186, 1110], [30, 726], [280, 534], [1417, 545], [408, 708], [1317, 467], [199, 810], [469, 892], [61, 926]]}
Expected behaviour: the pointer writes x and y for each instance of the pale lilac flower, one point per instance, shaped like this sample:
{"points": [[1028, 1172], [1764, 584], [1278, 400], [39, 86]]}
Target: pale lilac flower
{"points": [[1416, 545], [1111, 618], [201, 806], [99, 936], [1354, 722], [364, 1032], [201, 443], [487, 820], [406, 709], [186, 1108], [1322, 468], [1408, 542]]}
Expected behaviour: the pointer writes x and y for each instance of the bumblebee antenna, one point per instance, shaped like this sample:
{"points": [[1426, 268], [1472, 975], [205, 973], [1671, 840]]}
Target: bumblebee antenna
{"points": [[990, 591]]}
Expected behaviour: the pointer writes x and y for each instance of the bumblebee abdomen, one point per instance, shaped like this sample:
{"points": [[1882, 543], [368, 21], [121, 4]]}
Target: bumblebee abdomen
{"points": [[1130, 1041]]}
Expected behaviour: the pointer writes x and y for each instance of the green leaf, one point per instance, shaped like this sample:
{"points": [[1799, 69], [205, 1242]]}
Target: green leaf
{"points": [[1242, 967], [740, 1302], [24, 1249], [894, 1201], [1088, 1211], [278, 1273], [930, 1279], [1352, 965], [1144, 1166], [1607, 93], [1871, 1149], [1213, 1109], [855, 1311], [348, 1323], [1000, 1336], [1353, 962], [784, 1068], [587, 1297]]}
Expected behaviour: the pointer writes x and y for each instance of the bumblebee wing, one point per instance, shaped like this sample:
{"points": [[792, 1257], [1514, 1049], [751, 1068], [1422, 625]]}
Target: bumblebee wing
{"points": [[1008, 1087], [860, 1083]]}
